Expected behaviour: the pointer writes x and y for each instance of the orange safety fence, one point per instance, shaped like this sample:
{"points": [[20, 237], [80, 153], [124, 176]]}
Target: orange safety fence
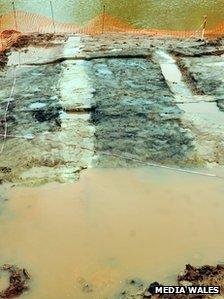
{"points": [[14, 22]]}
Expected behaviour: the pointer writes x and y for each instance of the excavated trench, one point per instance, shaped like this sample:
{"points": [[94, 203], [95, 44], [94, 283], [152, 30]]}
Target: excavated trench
{"points": [[122, 102], [132, 113], [120, 98]]}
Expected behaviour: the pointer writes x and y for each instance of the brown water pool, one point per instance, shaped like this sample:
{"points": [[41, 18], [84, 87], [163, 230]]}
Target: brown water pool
{"points": [[110, 226]]}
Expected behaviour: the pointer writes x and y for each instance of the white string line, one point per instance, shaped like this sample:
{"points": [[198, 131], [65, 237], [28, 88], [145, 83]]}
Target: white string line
{"points": [[104, 153], [128, 158], [18, 136], [163, 166], [107, 153], [7, 108], [6, 111], [148, 163]]}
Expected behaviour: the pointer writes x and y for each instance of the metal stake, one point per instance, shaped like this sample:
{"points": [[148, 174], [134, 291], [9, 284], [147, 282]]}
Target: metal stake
{"points": [[52, 15], [104, 15], [14, 13], [1, 16], [204, 27]]}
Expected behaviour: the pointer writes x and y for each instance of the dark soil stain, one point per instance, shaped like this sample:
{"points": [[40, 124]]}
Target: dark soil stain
{"points": [[135, 115], [18, 281]]}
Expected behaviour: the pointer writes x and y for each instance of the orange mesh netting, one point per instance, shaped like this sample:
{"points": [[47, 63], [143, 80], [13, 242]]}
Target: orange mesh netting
{"points": [[26, 22]]}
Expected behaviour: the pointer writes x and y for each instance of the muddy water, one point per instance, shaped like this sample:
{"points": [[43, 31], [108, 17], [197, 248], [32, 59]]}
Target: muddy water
{"points": [[110, 226], [163, 14]]}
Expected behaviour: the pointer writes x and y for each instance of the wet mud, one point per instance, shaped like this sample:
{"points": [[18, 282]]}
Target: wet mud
{"points": [[115, 231], [135, 115], [83, 101], [3, 59], [193, 276], [34, 110], [18, 281], [198, 70], [38, 40], [205, 275]]}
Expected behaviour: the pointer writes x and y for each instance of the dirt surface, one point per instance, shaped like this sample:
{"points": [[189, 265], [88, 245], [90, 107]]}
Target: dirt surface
{"points": [[135, 115], [18, 281], [198, 48], [193, 276], [8, 38], [38, 40], [113, 91], [202, 276], [109, 96], [3, 59], [205, 275]]}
